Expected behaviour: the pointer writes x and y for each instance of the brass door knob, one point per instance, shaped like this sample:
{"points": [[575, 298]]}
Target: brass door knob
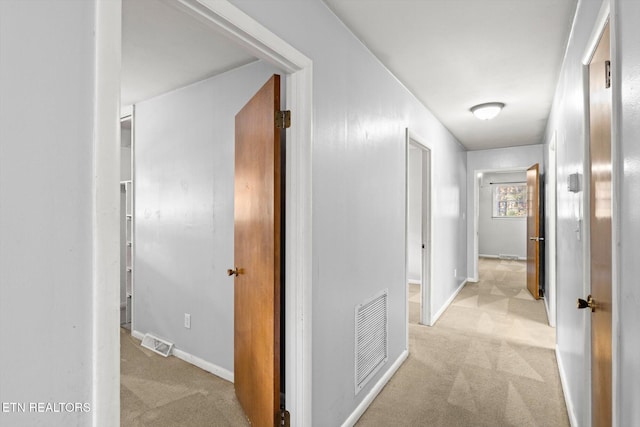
{"points": [[234, 272], [588, 303]]}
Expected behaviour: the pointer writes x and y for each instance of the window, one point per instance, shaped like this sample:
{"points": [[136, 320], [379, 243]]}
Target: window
{"points": [[510, 200]]}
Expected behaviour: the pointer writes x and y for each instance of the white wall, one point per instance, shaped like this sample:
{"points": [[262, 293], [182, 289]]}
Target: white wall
{"points": [[521, 157], [46, 207], [568, 120], [414, 226], [184, 212], [498, 236], [628, 73], [360, 116]]}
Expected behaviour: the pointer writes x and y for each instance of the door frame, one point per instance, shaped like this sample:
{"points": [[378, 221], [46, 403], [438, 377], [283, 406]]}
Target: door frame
{"points": [[606, 14], [426, 309], [476, 213], [551, 191], [264, 44]]}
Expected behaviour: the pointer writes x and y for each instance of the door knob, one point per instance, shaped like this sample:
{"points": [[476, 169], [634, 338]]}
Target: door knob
{"points": [[588, 303], [235, 272], [537, 239]]}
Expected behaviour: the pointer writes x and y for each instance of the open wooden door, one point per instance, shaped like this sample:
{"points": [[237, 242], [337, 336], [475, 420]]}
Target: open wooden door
{"points": [[600, 225], [257, 256], [533, 231]]}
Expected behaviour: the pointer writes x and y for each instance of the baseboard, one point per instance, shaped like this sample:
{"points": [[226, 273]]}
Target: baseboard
{"points": [[368, 399], [414, 282], [565, 390], [520, 258], [203, 364], [446, 305], [194, 360], [487, 256], [546, 307]]}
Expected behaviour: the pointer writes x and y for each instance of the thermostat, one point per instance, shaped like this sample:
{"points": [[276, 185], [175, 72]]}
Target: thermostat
{"points": [[573, 182]]}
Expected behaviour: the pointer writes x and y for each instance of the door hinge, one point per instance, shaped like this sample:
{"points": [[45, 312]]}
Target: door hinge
{"points": [[283, 119], [607, 74], [284, 418]]}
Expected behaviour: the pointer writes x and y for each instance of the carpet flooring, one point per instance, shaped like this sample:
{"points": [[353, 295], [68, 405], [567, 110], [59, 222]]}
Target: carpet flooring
{"points": [[169, 392], [488, 361]]}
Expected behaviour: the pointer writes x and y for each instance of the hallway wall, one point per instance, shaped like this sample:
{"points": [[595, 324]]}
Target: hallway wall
{"points": [[48, 247], [360, 115], [568, 121], [628, 72]]}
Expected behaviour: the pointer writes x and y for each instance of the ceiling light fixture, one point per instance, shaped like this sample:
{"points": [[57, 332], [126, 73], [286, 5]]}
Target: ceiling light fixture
{"points": [[487, 111]]}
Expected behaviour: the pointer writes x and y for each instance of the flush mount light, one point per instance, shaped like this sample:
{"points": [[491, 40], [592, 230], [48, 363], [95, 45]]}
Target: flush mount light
{"points": [[487, 111]]}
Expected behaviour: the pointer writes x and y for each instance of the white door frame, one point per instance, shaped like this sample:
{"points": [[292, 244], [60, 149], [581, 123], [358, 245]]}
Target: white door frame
{"points": [[411, 139], [262, 43], [476, 211], [551, 189]]}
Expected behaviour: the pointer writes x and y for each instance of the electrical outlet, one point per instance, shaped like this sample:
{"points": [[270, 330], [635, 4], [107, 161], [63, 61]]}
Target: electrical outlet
{"points": [[187, 321]]}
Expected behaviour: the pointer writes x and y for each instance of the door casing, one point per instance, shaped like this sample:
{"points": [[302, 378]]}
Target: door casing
{"points": [[427, 254], [534, 261]]}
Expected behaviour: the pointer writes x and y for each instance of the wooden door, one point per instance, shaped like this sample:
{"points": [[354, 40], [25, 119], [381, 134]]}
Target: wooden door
{"points": [[257, 256], [600, 226], [533, 231]]}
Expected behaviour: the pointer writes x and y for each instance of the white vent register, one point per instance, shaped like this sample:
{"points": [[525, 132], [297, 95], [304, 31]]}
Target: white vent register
{"points": [[156, 344], [371, 343]]}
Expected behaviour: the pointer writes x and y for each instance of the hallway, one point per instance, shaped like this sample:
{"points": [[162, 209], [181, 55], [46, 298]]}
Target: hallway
{"points": [[488, 361]]}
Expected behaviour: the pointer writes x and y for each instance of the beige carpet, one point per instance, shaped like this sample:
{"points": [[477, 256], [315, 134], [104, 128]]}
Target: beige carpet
{"points": [[489, 361], [167, 392]]}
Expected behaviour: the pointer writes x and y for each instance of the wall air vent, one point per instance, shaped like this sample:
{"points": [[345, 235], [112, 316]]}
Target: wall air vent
{"points": [[371, 342], [156, 344]]}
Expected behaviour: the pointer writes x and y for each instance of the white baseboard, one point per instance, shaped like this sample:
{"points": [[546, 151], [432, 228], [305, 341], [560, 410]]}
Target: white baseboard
{"points": [[565, 390], [487, 256], [546, 306], [194, 360], [369, 398], [203, 364], [414, 282], [446, 305], [520, 258]]}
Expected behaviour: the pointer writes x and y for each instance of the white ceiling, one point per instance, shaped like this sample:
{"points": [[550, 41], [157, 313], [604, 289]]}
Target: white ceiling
{"points": [[163, 49], [453, 54]]}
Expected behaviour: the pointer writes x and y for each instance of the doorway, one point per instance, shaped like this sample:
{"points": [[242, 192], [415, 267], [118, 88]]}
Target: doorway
{"points": [[501, 214], [418, 231], [257, 40]]}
